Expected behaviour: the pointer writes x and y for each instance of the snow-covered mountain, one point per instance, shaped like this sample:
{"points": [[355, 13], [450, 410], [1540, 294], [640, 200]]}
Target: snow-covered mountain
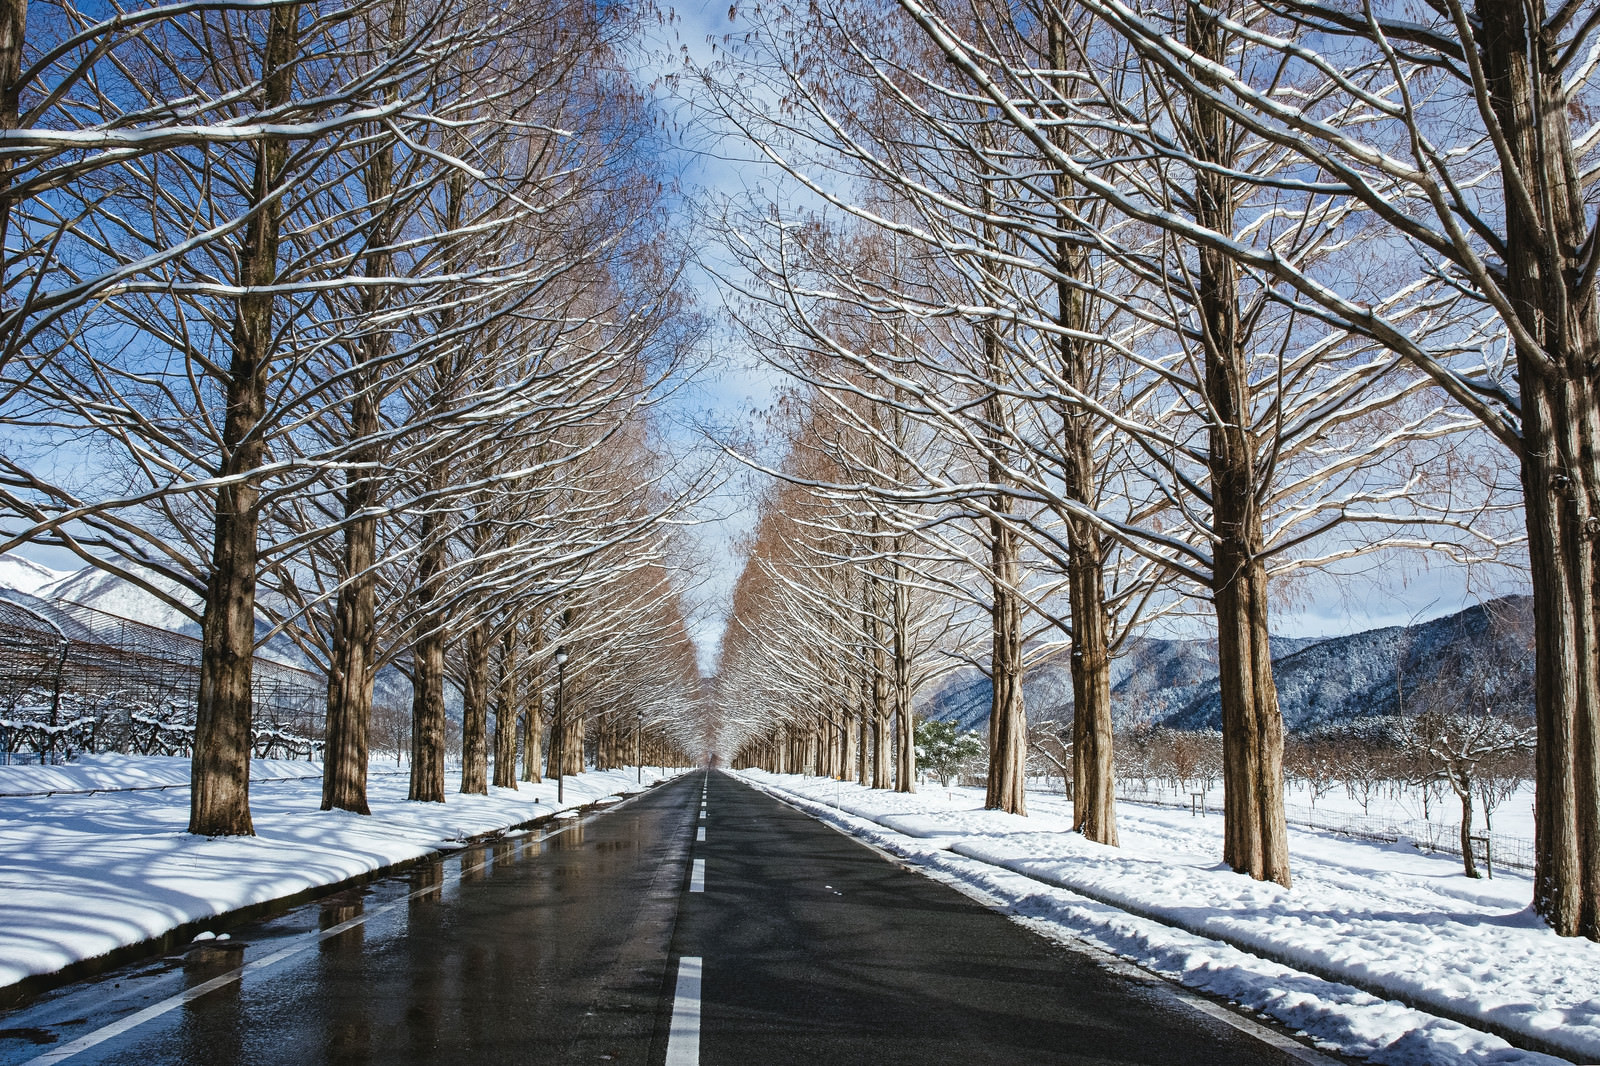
{"points": [[115, 599], [112, 595], [25, 575], [1320, 681], [101, 591]]}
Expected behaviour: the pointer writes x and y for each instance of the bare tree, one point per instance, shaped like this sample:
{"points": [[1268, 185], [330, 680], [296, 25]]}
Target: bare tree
{"points": [[1450, 732]]}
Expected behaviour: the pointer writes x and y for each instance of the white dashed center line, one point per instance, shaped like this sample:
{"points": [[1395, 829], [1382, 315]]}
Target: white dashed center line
{"points": [[697, 880], [683, 1040]]}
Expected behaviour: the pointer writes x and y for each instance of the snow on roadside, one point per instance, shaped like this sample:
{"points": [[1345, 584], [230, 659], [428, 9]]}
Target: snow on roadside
{"points": [[1361, 919], [84, 875]]}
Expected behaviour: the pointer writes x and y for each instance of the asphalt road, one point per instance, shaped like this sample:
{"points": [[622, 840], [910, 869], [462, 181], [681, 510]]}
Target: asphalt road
{"points": [[646, 934], [817, 950]]}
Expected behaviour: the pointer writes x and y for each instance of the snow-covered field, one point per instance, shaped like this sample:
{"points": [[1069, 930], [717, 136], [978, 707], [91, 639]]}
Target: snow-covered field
{"points": [[1364, 954], [82, 875], [1397, 804]]}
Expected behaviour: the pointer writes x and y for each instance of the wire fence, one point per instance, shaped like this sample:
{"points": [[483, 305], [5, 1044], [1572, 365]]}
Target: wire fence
{"points": [[74, 678], [1498, 849]]}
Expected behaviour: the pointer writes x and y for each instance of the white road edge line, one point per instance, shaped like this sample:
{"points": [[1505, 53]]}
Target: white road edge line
{"points": [[683, 1039], [697, 880], [1250, 1027], [189, 995]]}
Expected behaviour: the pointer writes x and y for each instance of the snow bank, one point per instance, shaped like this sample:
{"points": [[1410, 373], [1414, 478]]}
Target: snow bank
{"points": [[1365, 925], [82, 875]]}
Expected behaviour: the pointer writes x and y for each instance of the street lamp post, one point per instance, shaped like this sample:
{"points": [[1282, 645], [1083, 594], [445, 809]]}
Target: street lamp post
{"points": [[561, 725]]}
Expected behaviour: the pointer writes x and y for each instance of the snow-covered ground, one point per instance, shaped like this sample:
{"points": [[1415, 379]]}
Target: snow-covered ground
{"points": [[82, 875], [1372, 945]]}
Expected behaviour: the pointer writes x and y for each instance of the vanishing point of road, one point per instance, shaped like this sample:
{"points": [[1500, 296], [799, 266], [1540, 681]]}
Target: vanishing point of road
{"points": [[700, 922]]}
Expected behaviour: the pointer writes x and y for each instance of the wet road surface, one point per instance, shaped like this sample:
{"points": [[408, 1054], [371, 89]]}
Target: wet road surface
{"points": [[548, 946], [661, 931], [817, 950]]}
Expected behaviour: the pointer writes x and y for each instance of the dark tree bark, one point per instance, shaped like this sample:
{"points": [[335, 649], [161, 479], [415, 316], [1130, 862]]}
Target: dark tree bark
{"points": [[220, 770], [505, 714], [847, 743], [352, 660], [427, 676], [1094, 794], [1255, 831], [864, 726], [1469, 861], [427, 720], [1550, 280], [882, 711], [1008, 720], [1008, 723], [905, 778], [475, 712], [13, 27], [427, 650], [533, 727], [351, 668], [575, 735], [553, 756]]}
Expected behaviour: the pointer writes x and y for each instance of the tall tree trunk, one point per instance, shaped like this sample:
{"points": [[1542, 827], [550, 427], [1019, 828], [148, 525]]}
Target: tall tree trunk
{"points": [[219, 803], [427, 720], [533, 728], [847, 743], [1094, 791], [475, 712], [574, 757], [1547, 235], [881, 718], [350, 667], [863, 697], [427, 676], [553, 765], [1463, 790], [427, 652], [1255, 829], [864, 723], [505, 713], [1008, 720], [13, 28], [1008, 723], [905, 777], [352, 659], [881, 709]]}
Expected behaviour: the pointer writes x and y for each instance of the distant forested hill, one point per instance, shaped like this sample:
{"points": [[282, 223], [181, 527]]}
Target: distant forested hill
{"points": [[1320, 681]]}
